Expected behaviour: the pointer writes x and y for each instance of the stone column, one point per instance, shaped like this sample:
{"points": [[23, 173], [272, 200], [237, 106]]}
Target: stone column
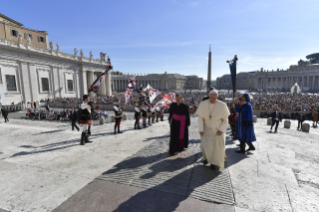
{"points": [[108, 84], [308, 82], [102, 88], [90, 77], [313, 83]]}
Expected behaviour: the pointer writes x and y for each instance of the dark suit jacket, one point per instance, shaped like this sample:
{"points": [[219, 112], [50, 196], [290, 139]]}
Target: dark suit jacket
{"points": [[273, 115], [301, 118], [74, 116]]}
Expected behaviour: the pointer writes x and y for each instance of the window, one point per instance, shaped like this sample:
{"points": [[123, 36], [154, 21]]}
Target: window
{"points": [[70, 85], [41, 39], [11, 83], [45, 84], [14, 33]]}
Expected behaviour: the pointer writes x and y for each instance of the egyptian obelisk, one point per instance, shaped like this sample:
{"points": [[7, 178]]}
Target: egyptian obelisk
{"points": [[209, 80]]}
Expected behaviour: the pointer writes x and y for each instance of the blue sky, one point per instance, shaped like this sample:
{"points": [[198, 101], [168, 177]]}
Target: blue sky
{"points": [[151, 36]]}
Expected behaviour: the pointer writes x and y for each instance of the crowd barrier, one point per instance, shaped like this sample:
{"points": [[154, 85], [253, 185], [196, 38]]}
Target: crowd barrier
{"points": [[285, 114], [12, 108], [75, 106]]}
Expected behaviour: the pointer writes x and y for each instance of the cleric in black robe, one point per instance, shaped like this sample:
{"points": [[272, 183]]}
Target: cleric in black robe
{"points": [[179, 122]]}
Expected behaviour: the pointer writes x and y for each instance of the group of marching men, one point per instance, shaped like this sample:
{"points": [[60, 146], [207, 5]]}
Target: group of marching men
{"points": [[144, 111]]}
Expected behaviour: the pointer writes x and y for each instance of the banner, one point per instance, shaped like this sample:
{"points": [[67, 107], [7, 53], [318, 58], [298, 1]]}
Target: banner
{"points": [[172, 97], [151, 93], [167, 99], [96, 84], [162, 103], [130, 88], [233, 70]]}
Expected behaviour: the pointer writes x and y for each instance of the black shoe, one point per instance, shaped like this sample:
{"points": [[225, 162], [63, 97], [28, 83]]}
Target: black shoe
{"points": [[87, 139], [114, 132], [205, 162], [250, 149], [119, 131], [240, 151], [83, 139], [214, 168], [275, 131]]}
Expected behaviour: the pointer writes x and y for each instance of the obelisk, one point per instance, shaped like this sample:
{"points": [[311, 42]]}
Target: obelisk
{"points": [[209, 70]]}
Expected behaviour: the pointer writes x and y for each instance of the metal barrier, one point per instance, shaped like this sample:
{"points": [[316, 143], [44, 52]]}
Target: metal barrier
{"points": [[12, 108]]}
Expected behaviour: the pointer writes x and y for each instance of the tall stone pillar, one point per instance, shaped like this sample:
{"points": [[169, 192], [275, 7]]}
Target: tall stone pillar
{"points": [[281, 83], [108, 84], [102, 89], [313, 82], [90, 77], [308, 85]]}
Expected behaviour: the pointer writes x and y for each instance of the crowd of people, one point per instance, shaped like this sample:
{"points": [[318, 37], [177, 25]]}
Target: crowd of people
{"points": [[285, 102]]}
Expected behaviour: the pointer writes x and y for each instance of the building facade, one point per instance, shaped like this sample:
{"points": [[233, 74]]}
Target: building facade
{"points": [[306, 76], [163, 82], [31, 69]]}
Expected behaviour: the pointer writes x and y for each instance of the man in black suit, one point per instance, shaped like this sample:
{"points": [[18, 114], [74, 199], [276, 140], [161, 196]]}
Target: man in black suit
{"points": [[276, 118], [48, 107], [301, 119], [74, 118], [4, 114]]}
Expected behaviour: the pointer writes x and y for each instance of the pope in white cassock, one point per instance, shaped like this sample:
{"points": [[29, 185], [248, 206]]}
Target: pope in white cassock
{"points": [[212, 124]]}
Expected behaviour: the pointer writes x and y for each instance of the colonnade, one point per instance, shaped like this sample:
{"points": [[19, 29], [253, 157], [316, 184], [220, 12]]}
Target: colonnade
{"points": [[311, 82], [121, 84]]}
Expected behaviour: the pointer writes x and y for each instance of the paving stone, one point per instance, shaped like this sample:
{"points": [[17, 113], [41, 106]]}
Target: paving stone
{"points": [[105, 196], [239, 209], [152, 168], [286, 158], [303, 200], [260, 194], [309, 179], [312, 169], [276, 172]]}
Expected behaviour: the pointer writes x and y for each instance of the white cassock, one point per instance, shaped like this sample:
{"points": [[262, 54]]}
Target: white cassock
{"points": [[211, 118]]}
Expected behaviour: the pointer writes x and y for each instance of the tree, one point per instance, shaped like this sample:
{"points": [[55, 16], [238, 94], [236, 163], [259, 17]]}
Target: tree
{"points": [[117, 73], [313, 58]]}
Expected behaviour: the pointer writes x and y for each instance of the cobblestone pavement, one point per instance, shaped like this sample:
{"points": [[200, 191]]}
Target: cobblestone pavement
{"points": [[183, 174]]}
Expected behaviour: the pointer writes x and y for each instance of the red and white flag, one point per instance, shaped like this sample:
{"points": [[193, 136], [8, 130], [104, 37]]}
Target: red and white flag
{"points": [[151, 92], [130, 88], [167, 99]]}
